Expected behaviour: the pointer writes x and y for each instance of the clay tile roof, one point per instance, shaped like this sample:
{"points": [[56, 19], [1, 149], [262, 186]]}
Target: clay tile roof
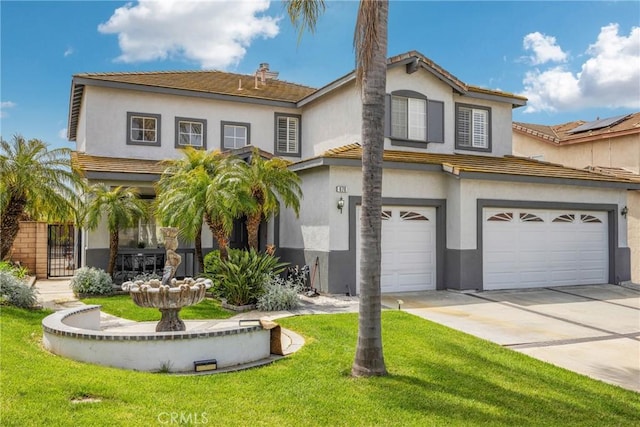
{"points": [[87, 163], [214, 82], [562, 134], [458, 163]]}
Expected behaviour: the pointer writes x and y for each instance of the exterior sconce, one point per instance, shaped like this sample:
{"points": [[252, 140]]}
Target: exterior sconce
{"points": [[340, 204], [624, 211]]}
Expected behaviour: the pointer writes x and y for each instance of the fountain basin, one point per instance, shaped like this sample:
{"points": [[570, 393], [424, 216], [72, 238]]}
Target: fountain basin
{"points": [[77, 333]]}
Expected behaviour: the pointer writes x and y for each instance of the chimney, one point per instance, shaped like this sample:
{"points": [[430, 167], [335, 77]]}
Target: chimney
{"points": [[265, 74]]}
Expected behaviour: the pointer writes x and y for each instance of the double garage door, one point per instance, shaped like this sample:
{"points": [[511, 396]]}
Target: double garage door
{"points": [[525, 248], [408, 249]]}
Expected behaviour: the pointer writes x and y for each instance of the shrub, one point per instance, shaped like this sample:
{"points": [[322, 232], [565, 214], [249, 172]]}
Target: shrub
{"points": [[15, 291], [16, 270], [280, 294], [91, 281], [240, 279], [145, 277]]}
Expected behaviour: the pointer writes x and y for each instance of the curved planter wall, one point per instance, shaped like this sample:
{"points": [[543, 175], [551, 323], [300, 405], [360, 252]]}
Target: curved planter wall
{"points": [[76, 334]]}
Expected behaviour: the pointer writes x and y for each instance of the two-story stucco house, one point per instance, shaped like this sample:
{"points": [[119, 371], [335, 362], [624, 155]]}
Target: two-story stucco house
{"points": [[610, 145], [460, 212]]}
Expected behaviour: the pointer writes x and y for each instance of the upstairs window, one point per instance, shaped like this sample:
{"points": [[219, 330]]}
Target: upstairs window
{"points": [[287, 135], [473, 127], [143, 129], [409, 118], [191, 133], [235, 135], [412, 120]]}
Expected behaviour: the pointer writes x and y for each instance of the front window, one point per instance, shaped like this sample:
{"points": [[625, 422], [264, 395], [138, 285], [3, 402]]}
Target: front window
{"points": [[235, 135], [409, 118], [287, 135], [145, 234], [190, 133], [143, 129], [473, 128]]}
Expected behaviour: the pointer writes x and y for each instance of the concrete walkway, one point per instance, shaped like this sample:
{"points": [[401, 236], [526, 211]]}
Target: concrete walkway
{"points": [[592, 330]]}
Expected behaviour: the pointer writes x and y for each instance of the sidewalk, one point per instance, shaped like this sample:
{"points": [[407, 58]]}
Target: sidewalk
{"points": [[55, 294]]}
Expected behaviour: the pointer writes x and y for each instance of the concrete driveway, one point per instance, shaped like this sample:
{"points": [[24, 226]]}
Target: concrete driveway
{"points": [[592, 330]]}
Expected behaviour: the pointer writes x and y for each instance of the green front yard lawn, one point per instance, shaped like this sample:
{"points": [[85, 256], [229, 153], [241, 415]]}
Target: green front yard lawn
{"points": [[438, 376]]}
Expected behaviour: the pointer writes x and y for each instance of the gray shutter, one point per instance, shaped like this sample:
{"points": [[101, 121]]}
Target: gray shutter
{"points": [[435, 121], [387, 116]]}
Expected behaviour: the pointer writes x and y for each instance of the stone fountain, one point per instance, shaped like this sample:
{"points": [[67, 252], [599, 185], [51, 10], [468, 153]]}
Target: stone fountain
{"points": [[168, 295]]}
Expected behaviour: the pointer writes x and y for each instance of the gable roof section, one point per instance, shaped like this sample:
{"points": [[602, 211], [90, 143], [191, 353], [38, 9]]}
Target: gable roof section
{"points": [[414, 60], [475, 166], [562, 134]]}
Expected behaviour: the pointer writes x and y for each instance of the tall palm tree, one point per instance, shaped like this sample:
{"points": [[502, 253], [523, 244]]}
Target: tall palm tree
{"points": [[120, 206], [370, 42], [35, 182], [203, 186], [269, 180]]}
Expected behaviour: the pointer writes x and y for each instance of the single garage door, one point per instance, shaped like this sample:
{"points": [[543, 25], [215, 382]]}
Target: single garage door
{"points": [[408, 249], [527, 248]]}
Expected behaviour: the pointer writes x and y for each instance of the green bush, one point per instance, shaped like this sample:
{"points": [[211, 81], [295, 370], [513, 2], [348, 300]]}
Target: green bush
{"points": [[280, 294], [16, 270], [241, 278], [91, 281], [15, 291]]}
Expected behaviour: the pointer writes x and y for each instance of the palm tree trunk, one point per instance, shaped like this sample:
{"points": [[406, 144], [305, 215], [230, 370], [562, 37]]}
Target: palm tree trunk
{"points": [[219, 234], [113, 251], [10, 225], [253, 226], [198, 245], [369, 359]]}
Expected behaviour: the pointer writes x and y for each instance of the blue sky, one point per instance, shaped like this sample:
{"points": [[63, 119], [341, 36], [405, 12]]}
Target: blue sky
{"points": [[573, 60]]}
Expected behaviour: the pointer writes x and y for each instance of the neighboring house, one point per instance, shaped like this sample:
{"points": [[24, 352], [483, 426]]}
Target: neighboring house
{"points": [[460, 212], [610, 146]]}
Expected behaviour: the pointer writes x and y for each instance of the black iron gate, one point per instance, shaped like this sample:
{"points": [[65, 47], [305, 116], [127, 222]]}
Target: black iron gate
{"points": [[61, 256]]}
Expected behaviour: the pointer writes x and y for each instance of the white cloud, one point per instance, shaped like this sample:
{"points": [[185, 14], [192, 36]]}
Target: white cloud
{"points": [[4, 105], [62, 133], [544, 48], [69, 52], [610, 77], [215, 34]]}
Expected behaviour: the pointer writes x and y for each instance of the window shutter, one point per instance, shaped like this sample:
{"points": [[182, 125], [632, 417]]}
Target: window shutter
{"points": [[464, 127], [282, 134], [435, 121], [480, 128], [387, 115]]}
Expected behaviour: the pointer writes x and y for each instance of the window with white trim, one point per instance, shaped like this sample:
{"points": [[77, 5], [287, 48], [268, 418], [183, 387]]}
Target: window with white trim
{"points": [[409, 118], [191, 133], [473, 127], [143, 129], [287, 135], [235, 135]]}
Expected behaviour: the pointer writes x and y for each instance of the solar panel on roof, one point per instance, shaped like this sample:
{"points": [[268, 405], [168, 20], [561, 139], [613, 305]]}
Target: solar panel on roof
{"points": [[598, 124]]}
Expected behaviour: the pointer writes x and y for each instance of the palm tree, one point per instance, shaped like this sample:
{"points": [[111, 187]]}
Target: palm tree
{"points": [[35, 182], [269, 180], [203, 186], [370, 42], [122, 208]]}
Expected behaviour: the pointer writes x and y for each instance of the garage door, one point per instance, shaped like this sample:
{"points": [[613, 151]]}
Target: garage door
{"points": [[408, 249], [525, 248]]}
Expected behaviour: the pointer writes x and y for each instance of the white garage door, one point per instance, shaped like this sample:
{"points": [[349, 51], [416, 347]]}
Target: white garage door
{"points": [[526, 248], [408, 249]]}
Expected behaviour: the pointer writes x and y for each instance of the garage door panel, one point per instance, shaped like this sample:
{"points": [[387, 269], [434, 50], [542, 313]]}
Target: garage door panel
{"points": [[408, 249], [534, 248]]}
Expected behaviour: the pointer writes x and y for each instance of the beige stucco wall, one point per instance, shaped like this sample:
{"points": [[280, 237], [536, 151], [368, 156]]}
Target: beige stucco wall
{"points": [[106, 121], [622, 152], [633, 224]]}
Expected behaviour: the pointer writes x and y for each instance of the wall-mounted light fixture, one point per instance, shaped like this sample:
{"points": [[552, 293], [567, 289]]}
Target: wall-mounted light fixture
{"points": [[340, 204], [624, 211]]}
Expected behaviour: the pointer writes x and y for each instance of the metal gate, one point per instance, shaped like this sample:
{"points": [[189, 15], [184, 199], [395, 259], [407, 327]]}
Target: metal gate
{"points": [[61, 256]]}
